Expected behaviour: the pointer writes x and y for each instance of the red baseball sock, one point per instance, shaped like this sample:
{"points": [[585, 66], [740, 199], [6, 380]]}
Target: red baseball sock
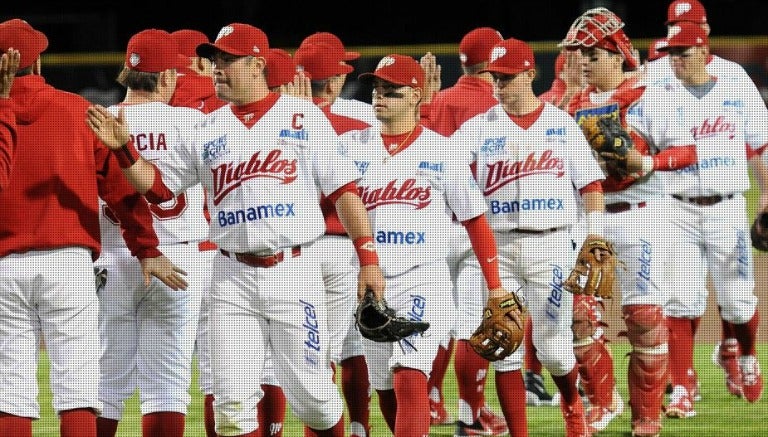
{"points": [[566, 384], [411, 387], [79, 422], [471, 370], [11, 425], [510, 389], [388, 407], [208, 418], [746, 334], [163, 424], [357, 390], [680, 350], [439, 367], [108, 427], [271, 410], [532, 362]]}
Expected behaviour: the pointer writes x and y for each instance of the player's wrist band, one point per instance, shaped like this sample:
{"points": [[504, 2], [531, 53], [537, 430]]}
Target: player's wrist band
{"points": [[366, 251], [595, 223], [127, 155]]}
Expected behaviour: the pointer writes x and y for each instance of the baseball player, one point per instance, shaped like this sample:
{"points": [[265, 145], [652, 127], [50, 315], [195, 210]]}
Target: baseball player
{"points": [[326, 67], [450, 108], [194, 86], [148, 333], [632, 201], [49, 218], [347, 107], [263, 159], [709, 226], [529, 156], [9, 63], [411, 193]]}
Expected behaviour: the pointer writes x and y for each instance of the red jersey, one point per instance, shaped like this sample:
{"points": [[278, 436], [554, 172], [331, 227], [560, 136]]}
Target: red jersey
{"points": [[195, 91], [7, 140], [341, 124], [554, 95], [59, 171], [451, 107]]}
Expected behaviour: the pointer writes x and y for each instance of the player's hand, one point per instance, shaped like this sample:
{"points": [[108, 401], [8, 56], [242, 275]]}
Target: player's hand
{"points": [[111, 130], [9, 63], [432, 81], [163, 269], [301, 87], [370, 277], [634, 161]]}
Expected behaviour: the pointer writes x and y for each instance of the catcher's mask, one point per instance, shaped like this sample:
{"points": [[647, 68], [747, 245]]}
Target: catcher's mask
{"points": [[601, 28]]}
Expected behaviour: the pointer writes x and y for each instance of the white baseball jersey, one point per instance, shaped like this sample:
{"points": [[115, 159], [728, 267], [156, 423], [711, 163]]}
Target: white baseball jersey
{"points": [[411, 197], [263, 181], [157, 129], [722, 121], [528, 175], [354, 108]]}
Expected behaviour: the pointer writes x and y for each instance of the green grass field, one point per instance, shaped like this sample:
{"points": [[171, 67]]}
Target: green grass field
{"points": [[719, 414]]}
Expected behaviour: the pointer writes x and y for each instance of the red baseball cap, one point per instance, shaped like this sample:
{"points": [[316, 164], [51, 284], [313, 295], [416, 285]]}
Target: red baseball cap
{"points": [[321, 61], [399, 70], [332, 40], [686, 10], [511, 56], [237, 39], [477, 44], [280, 68], [685, 34], [153, 51], [188, 40], [654, 50], [21, 36]]}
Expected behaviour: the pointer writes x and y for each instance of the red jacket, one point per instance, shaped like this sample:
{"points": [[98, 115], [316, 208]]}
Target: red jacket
{"points": [[59, 172], [196, 91], [451, 107], [7, 140]]}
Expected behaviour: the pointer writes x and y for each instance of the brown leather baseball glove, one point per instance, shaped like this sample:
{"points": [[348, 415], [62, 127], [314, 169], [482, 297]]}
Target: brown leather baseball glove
{"points": [[609, 140], [591, 276], [502, 329]]}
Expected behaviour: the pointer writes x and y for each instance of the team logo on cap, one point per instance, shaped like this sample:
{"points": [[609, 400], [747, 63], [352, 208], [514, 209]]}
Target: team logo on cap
{"points": [[134, 59], [498, 52], [386, 61], [225, 31], [673, 30], [682, 8]]}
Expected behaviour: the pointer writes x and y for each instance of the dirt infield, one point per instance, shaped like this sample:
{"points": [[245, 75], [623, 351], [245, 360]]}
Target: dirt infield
{"points": [[709, 330]]}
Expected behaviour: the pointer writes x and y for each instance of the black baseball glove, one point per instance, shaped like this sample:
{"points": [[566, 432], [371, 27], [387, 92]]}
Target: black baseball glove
{"points": [[378, 322], [759, 232], [609, 140]]}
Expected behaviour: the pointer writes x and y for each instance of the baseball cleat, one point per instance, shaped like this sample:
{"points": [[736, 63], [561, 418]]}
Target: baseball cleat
{"points": [[438, 414], [751, 377], [680, 404], [487, 424], [536, 394], [575, 421], [598, 418], [726, 355], [645, 427]]}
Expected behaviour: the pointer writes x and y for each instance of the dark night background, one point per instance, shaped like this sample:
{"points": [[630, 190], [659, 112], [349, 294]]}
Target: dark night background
{"points": [[105, 27]]}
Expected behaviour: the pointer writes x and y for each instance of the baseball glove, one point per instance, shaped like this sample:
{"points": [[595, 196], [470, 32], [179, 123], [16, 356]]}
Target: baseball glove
{"points": [[759, 232], [609, 140], [590, 276], [378, 322], [502, 329]]}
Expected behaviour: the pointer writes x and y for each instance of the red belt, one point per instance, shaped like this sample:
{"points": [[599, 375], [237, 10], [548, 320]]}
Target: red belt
{"points": [[203, 245], [617, 207], [703, 200], [262, 261]]}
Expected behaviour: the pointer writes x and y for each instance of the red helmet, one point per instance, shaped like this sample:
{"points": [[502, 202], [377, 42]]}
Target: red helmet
{"points": [[601, 28]]}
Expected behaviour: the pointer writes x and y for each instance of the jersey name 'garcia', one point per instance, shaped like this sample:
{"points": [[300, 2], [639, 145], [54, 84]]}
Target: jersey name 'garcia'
{"points": [[528, 175], [412, 196], [263, 181]]}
